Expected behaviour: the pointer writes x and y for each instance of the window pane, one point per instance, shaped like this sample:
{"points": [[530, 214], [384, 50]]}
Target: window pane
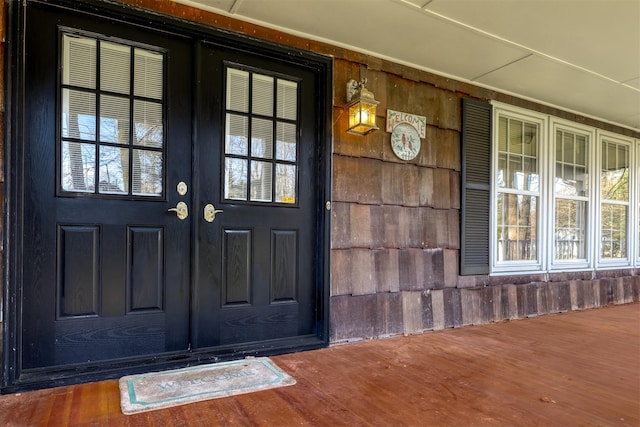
{"points": [[614, 178], [79, 61], [514, 171], [114, 119], [571, 177], [114, 170], [148, 128], [287, 100], [115, 65], [262, 138], [78, 167], [261, 179], [503, 173], [147, 173], [530, 140], [570, 229], [78, 115], [580, 150], [285, 183], [286, 142], [530, 179], [262, 101], [503, 134], [517, 159], [148, 74], [517, 227], [235, 179], [237, 90], [515, 137], [614, 231]]}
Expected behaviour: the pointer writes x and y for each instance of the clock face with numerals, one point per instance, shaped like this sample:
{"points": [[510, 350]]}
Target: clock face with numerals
{"points": [[405, 141]]}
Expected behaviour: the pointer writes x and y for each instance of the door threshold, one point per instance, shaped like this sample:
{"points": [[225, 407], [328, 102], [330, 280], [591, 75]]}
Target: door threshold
{"points": [[58, 376]]}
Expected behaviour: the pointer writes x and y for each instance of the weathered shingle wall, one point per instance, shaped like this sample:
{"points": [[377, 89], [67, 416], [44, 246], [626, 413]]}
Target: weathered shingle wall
{"points": [[395, 224]]}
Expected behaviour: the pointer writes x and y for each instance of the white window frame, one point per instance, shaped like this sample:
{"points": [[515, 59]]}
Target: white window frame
{"points": [[546, 262], [590, 133], [504, 110], [609, 263]]}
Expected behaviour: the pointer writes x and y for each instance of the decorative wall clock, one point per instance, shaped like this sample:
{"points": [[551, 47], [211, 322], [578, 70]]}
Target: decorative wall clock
{"points": [[405, 141]]}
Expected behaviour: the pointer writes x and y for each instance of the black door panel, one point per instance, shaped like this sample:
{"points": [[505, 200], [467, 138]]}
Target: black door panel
{"points": [[106, 276], [109, 272]]}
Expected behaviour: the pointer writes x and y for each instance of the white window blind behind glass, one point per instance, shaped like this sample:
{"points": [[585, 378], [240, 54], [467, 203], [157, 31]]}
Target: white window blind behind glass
{"points": [[123, 154], [261, 112]]}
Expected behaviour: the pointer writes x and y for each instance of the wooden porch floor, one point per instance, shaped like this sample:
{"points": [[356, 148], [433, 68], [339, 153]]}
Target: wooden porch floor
{"points": [[572, 369]]}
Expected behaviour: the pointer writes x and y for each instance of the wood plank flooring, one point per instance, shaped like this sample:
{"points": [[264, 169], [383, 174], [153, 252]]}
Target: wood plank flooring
{"points": [[572, 369]]}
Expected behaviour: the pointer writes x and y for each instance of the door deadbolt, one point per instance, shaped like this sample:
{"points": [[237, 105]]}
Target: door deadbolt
{"points": [[210, 212], [182, 188]]}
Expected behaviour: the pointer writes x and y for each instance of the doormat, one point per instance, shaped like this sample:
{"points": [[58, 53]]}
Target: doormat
{"points": [[157, 390]]}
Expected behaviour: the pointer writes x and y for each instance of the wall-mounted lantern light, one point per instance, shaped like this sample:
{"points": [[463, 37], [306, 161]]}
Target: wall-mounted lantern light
{"points": [[362, 108]]}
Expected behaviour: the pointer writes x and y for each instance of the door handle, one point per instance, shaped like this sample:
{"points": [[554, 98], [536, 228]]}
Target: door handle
{"points": [[181, 210], [210, 212]]}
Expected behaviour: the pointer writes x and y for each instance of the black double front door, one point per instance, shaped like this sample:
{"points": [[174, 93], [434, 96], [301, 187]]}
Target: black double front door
{"points": [[169, 195]]}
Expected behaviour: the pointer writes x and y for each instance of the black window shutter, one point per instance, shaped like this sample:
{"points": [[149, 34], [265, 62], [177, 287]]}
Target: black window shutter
{"points": [[476, 187]]}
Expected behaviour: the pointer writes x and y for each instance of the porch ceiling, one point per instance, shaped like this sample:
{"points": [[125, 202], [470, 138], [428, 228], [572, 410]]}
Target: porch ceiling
{"points": [[579, 55]]}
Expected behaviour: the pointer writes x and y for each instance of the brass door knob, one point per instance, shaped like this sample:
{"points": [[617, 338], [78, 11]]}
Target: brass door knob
{"points": [[181, 210], [210, 212]]}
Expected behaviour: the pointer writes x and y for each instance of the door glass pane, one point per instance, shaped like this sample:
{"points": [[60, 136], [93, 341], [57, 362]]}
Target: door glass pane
{"points": [[78, 61], [148, 74], [115, 66], [114, 170], [114, 119], [78, 115], [261, 176], [286, 142], [237, 90], [237, 135], [235, 178], [249, 138], [111, 159], [148, 127], [286, 183], [147, 173], [78, 167], [287, 100], [262, 138], [262, 99]]}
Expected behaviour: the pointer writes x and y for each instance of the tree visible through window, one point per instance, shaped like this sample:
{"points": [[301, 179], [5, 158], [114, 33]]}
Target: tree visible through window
{"points": [[614, 188], [518, 190], [101, 95], [562, 195], [571, 194], [261, 143]]}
